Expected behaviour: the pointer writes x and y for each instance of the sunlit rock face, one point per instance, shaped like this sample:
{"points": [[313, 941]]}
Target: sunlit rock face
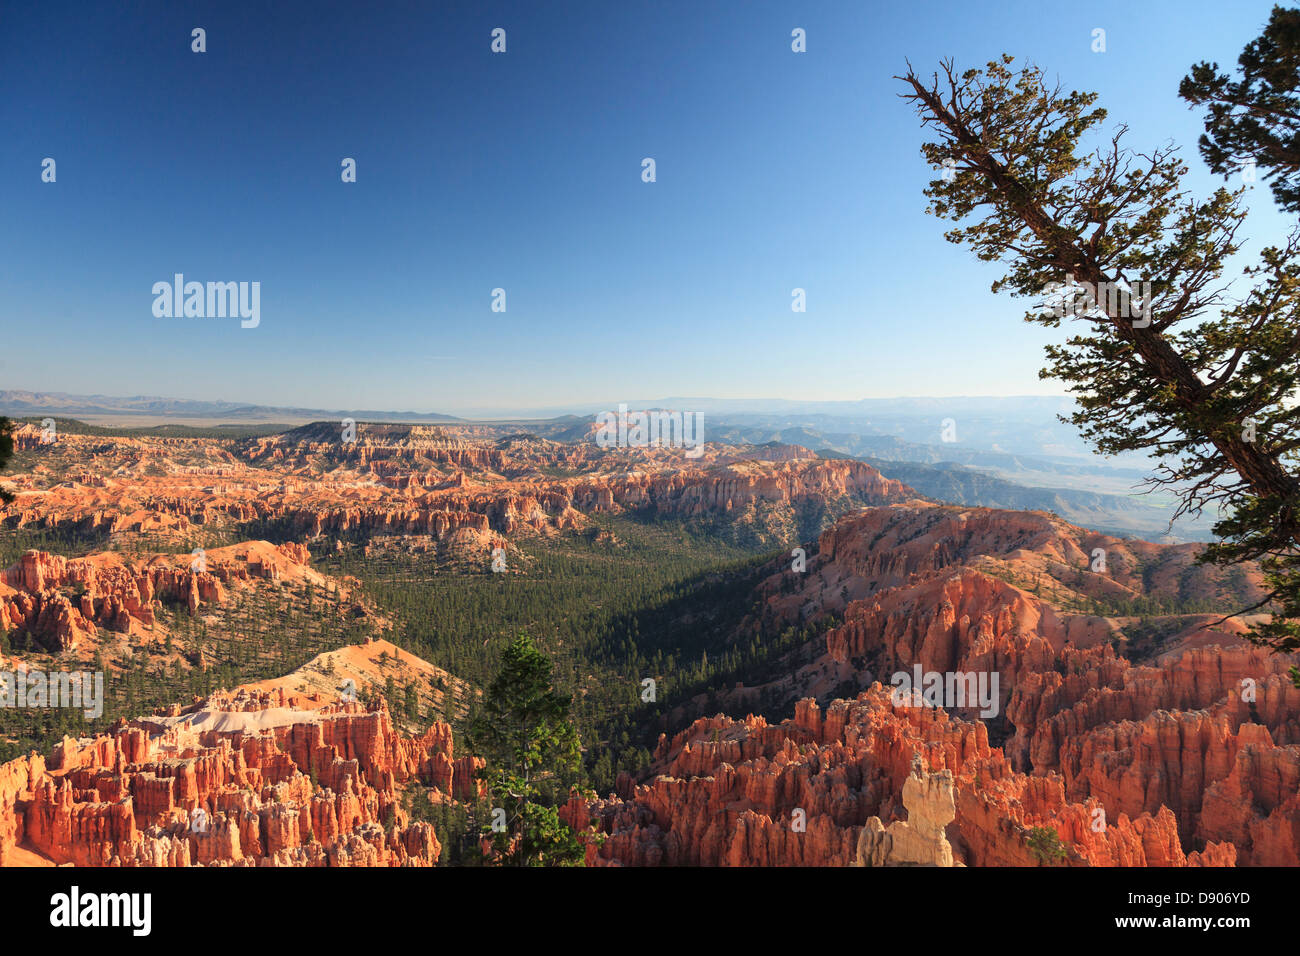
{"points": [[236, 780]]}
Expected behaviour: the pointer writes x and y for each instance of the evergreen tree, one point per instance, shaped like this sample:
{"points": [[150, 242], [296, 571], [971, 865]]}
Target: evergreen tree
{"points": [[1255, 120], [1199, 381], [533, 757], [6, 452]]}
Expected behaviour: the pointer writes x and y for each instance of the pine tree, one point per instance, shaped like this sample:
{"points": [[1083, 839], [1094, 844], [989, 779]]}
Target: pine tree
{"points": [[1254, 121], [6, 452], [1199, 381], [533, 755]]}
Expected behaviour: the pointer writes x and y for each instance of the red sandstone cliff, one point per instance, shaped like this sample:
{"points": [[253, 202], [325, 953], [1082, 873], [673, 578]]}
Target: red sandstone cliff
{"points": [[408, 480], [118, 593], [728, 792], [1190, 757], [238, 781]]}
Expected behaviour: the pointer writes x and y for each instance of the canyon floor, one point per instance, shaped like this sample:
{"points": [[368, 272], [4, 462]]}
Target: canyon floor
{"points": [[294, 629]]}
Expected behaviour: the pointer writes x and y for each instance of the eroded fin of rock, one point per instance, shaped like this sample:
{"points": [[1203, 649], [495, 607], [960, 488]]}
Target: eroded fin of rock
{"points": [[919, 840]]}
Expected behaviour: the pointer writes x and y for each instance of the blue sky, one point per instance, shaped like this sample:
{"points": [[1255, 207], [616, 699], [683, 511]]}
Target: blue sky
{"points": [[522, 171]]}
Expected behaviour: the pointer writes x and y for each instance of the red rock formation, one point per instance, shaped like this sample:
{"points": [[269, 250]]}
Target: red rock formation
{"points": [[414, 480], [238, 781], [726, 793], [1173, 763], [1173, 746], [120, 594]]}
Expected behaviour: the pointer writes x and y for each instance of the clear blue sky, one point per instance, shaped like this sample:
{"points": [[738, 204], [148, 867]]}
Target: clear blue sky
{"points": [[522, 171]]}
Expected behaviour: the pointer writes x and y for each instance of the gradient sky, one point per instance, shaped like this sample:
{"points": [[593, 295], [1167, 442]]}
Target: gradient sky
{"points": [[523, 171]]}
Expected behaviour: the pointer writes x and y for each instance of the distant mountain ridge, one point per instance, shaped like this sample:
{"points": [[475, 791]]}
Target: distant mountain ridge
{"points": [[19, 403], [1112, 514]]}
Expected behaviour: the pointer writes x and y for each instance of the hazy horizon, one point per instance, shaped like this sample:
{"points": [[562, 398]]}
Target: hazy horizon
{"points": [[740, 406]]}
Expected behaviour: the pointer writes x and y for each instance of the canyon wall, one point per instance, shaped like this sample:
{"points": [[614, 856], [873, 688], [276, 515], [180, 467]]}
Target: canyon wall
{"points": [[240, 780], [1187, 756]]}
